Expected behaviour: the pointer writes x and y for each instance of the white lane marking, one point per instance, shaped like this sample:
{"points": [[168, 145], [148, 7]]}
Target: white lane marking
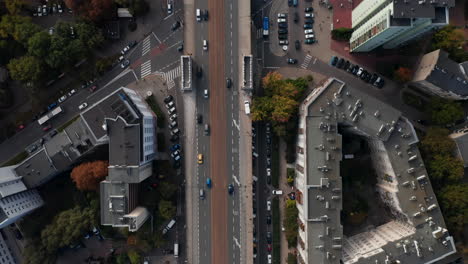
{"points": [[235, 124], [171, 75], [235, 179], [168, 16], [237, 242], [156, 37], [315, 60]]}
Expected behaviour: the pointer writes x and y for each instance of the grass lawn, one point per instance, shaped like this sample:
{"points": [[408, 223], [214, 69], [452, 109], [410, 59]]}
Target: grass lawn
{"points": [[16, 159]]}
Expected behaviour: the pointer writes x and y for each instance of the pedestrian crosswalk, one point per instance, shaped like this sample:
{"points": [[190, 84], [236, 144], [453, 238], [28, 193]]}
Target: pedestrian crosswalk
{"points": [[145, 69], [146, 45], [306, 62], [171, 75]]}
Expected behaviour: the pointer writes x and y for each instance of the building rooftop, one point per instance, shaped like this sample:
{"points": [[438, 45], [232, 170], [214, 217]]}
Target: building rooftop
{"points": [[111, 106], [437, 68], [419, 8], [402, 180], [124, 143]]}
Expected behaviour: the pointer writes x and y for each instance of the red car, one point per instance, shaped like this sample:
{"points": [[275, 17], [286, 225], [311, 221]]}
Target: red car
{"points": [[93, 88], [46, 128], [269, 247], [20, 127]]}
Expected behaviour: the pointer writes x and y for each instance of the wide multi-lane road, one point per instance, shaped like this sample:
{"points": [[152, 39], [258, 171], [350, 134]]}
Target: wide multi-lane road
{"points": [[217, 233]]}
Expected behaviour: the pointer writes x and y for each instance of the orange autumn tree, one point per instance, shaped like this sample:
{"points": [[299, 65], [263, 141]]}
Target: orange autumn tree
{"points": [[88, 175], [403, 74]]}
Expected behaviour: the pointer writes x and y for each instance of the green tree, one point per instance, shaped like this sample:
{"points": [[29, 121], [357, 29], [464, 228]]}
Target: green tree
{"points": [[290, 222], [285, 107], [292, 258], [167, 190], [262, 108], [26, 69], [20, 28], [89, 35], [139, 7], [445, 168], [35, 253], [437, 141], [14, 6], [121, 259], [272, 83], [134, 257], [342, 34], [24, 31], [166, 209], [452, 40], [39, 44], [66, 228], [444, 111], [103, 65], [454, 202]]}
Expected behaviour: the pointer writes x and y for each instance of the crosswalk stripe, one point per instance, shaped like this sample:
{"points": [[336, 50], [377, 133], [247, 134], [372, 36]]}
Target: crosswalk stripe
{"points": [[145, 69], [146, 46], [306, 62], [171, 75]]}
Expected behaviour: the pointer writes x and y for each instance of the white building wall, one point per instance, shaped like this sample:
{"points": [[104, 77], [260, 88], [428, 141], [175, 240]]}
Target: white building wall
{"points": [[365, 9], [18, 205]]}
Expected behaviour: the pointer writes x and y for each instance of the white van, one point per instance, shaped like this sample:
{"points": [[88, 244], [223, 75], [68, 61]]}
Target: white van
{"points": [[176, 250], [169, 226], [247, 107], [198, 13]]}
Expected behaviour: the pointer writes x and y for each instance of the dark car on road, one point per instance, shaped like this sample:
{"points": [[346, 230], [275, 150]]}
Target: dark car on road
{"points": [[228, 82], [52, 106], [308, 26], [310, 41], [340, 63], [282, 31], [309, 20], [333, 60], [379, 82], [363, 75], [346, 65], [230, 189], [292, 61], [297, 44], [199, 71], [268, 237], [199, 119], [268, 219], [132, 44], [308, 9], [168, 99], [175, 26], [373, 78], [283, 25]]}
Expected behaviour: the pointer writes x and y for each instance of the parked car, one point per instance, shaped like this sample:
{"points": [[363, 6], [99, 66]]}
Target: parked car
{"points": [[308, 31], [282, 31], [47, 128], [309, 15], [283, 42], [359, 71], [282, 15], [124, 64], [380, 82], [310, 41], [62, 99], [281, 20], [125, 50], [175, 26], [72, 92], [308, 26], [292, 61], [93, 88], [333, 60], [308, 9], [168, 99], [268, 219], [283, 25], [282, 36], [52, 106], [82, 106], [340, 63], [309, 36], [346, 65]]}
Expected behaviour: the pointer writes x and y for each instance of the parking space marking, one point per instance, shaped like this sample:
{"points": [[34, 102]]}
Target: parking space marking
{"points": [[145, 69], [306, 62], [146, 47], [171, 75]]}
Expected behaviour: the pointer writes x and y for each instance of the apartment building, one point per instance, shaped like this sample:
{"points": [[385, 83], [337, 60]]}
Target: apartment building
{"points": [[126, 124], [416, 232], [394, 23], [437, 74]]}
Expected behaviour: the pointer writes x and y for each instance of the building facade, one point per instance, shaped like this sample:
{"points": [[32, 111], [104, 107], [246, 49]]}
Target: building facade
{"points": [[416, 232], [394, 23], [436, 74]]}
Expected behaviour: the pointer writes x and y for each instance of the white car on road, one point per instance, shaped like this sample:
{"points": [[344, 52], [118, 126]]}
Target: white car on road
{"points": [[82, 106], [205, 44]]}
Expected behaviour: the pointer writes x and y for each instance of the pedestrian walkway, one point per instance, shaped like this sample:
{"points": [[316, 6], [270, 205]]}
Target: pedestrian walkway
{"points": [[146, 47], [306, 62], [171, 75], [145, 69]]}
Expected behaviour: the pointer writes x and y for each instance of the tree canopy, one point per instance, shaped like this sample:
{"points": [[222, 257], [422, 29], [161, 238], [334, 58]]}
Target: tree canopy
{"points": [[14, 6], [437, 141], [166, 209], [88, 175], [342, 34], [454, 201], [94, 10], [403, 74], [66, 228], [452, 40], [444, 112], [446, 168], [26, 69]]}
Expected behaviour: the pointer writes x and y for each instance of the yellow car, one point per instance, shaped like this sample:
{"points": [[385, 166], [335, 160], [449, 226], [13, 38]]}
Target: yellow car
{"points": [[200, 158]]}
